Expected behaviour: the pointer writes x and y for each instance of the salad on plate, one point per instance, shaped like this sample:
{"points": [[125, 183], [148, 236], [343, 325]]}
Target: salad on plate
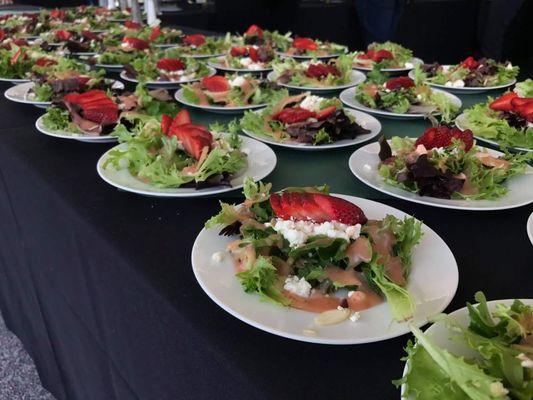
{"points": [[303, 119], [385, 56], [246, 58], [229, 91], [481, 352], [445, 163], [174, 153], [130, 49], [470, 73], [506, 120], [304, 47], [257, 36], [306, 249], [200, 46]]}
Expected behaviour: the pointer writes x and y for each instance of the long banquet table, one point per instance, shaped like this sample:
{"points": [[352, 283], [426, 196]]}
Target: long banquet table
{"points": [[98, 284]]}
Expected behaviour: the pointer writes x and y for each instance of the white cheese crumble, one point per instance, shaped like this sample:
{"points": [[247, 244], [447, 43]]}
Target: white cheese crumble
{"points": [[526, 361], [218, 256], [497, 389], [298, 286], [237, 82], [246, 61], [409, 65], [509, 66], [312, 103], [355, 316], [457, 83], [297, 232], [445, 68]]}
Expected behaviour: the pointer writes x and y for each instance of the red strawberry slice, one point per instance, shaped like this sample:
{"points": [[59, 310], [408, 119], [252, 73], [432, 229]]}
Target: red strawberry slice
{"points": [[136, 43], [320, 70], [101, 115], [193, 139], [304, 44], [58, 14], [71, 98], [466, 136], [526, 110], [170, 64], [132, 25], [518, 102], [293, 115], [83, 79], [92, 95], [316, 207], [438, 136], [254, 54], [216, 83], [325, 113], [166, 121], [254, 30], [399, 83], [62, 34], [20, 42], [45, 62], [503, 103], [90, 35], [381, 55], [194, 40], [155, 33], [2, 34], [239, 51], [470, 63], [182, 118], [17, 56]]}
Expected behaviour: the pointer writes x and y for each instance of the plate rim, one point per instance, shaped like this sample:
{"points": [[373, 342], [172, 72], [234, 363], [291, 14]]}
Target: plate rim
{"points": [[404, 69], [179, 98], [74, 136], [162, 84], [214, 64], [361, 77]]}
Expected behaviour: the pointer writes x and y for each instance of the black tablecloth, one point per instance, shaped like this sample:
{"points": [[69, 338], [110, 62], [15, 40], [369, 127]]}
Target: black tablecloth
{"points": [[98, 285]]}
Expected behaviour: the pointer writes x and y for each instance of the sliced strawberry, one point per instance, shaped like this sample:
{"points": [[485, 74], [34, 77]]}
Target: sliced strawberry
{"points": [[92, 95], [20, 42], [518, 102], [466, 136], [216, 83], [293, 115], [83, 79], [325, 113], [293, 201], [136, 43], [254, 54], [239, 51], [470, 63], [71, 98], [58, 14], [381, 55], [170, 64], [275, 203], [182, 118], [166, 121], [503, 103], [2, 34], [401, 82], [194, 40], [155, 33], [45, 62], [338, 209], [435, 137], [132, 25], [101, 115], [17, 56], [90, 35], [193, 140], [371, 89], [254, 30], [526, 110], [62, 34], [320, 70], [304, 44]]}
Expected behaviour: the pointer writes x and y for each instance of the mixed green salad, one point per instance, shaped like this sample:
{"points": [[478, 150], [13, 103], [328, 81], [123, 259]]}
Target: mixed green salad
{"points": [[200, 45], [155, 67], [498, 359], [173, 152], [248, 58], [304, 119], [307, 47], [314, 74], [384, 55], [306, 249]]}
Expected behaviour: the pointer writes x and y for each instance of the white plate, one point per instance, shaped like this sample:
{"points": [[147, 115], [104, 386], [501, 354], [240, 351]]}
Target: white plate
{"points": [[348, 98], [530, 227], [432, 283], [83, 53], [461, 119], [13, 81], [413, 61], [261, 162], [356, 78], [467, 90], [19, 93], [197, 56], [441, 335], [217, 64], [110, 67], [216, 109], [364, 165], [69, 135], [367, 121], [164, 84], [303, 57]]}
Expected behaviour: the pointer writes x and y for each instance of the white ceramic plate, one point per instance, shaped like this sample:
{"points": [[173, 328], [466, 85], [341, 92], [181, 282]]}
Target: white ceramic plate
{"points": [[467, 90], [356, 77], [441, 335], [530, 227], [215, 109], [261, 162], [13, 81], [69, 135], [20, 93], [365, 120], [348, 98], [364, 164], [164, 84], [303, 58], [432, 283], [217, 63], [413, 61], [460, 123]]}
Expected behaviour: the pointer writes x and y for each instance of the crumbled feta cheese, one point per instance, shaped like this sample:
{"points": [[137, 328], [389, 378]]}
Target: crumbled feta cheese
{"points": [[497, 389], [237, 82], [419, 97], [457, 83], [526, 361], [297, 232], [218, 256], [529, 124], [246, 61], [509, 66], [445, 68], [298, 286], [355, 316], [340, 308], [409, 65], [350, 293], [312, 103]]}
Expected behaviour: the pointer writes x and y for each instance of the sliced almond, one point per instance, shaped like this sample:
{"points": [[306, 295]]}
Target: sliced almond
{"points": [[332, 317]]}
